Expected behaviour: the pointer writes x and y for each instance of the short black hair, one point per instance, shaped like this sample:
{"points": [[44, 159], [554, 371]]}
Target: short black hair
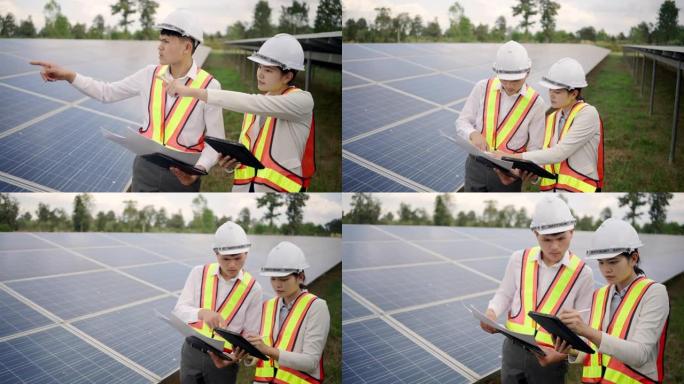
{"points": [[286, 71], [169, 32]]}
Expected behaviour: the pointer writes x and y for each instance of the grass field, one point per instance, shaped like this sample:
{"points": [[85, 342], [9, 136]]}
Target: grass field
{"points": [[325, 87]]}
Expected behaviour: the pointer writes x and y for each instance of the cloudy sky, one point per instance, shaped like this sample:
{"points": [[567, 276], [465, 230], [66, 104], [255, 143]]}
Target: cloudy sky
{"points": [[582, 204], [614, 16], [215, 15], [320, 208]]}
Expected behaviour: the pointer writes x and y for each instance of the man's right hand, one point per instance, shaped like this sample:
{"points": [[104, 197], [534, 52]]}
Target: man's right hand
{"points": [[477, 140], [53, 72], [210, 318], [491, 316]]}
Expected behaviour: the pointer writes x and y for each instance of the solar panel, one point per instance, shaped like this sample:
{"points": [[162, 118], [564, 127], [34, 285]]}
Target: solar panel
{"points": [[19, 107], [170, 276], [371, 254], [359, 179], [393, 85], [17, 241], [463, 249], [121, 256], [6, 187], [34, 263], [16, 316], [352, 309]]}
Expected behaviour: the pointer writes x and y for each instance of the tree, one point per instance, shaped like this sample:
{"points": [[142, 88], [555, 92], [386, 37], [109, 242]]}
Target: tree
{"points": [[667, 27], [147, 9], [244, 219], [364, 209], [383, 24], [499, 30], [432, 30], [490, 213], [334, 226], [81, 216], [633, 200], [521, 219], [97, 29], [328, 16], [442, 214], [160, 219], [130, 215], [606, 214], [145, 217], [78, 31], [587, 33], [26, 28], [295, 18], [295, 211], [549, 10], [203, 219], [416, 28], [176, 222], [126, 9], [642, 33], [236, 31], [261, 27], [526, 8], [9, 25], [9, 210], [658, 210], [272, 201], [401, 25], [460, 27], [349, 31]]}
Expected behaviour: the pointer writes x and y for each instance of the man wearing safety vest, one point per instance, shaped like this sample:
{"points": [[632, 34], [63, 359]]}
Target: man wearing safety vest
{"points": [[294, 324], [544, 278], [220, 294], [278, 125], [502, 113], [573, 140], [179, 123], [629, 316]]}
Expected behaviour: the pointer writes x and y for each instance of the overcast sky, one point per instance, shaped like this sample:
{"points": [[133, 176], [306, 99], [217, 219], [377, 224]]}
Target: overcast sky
{"points": [[215, 15], [320, 208], [582, 204], [614, 16]]}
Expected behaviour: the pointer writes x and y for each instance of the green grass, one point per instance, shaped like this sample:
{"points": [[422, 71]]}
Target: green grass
{"points": [[235, 74], [329, 288]]}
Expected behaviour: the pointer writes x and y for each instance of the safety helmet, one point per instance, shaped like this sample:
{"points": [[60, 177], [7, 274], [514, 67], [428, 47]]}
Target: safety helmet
{"points": [[230, 239], [182, 21], [566, 73], [284, 259], [281, 50], [552, 215], [612, 238], [512, 62]]}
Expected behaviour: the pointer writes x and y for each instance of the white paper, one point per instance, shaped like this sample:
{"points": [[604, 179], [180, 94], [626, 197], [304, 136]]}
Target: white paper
{"points": [[187, 330], [475, 151], [140, 145]]}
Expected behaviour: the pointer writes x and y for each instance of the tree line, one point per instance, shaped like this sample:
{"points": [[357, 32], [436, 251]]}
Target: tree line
{"points": [[406, 28], [294, 19], [366, 209], [149, 218]]}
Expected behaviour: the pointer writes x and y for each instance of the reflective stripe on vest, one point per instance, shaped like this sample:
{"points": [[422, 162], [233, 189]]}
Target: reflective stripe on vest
{"points": [[567, 178], [230, 306], [552, 300], [601, 368], [163, 129], [274, 175], [498, 136], [269, 371]]}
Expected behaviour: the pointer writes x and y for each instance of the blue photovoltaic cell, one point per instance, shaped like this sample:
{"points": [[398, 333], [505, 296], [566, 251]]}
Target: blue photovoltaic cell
{"points": [[463, 249], [360, 179], [182, 250], [394, 288], [400, 50], [440, 88], [351, 232], [374, 106], [453, 329], [79, 239], [19, 107], [384, 69], [416, 150], [373, 254], [492, 267], [134, 238], [422, 233], [68, 152], [441, 62], [16, 241], [61, 90], [350, 81], [475, 73], [120, 256], [7, 187], [353, 52], [130, 109], [16, 316], [170, 276], [56, 356], [138, 334], [72, 296], [19, 265], [375, 353], [351, 308], [12, 65]]}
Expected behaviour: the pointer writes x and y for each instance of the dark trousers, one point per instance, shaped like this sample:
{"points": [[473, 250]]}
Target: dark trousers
{"points": [[519, 366], [197, 368], [149, 177], [480, 178]]}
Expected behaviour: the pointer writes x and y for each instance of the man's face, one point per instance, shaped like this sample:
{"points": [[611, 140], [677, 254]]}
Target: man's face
{"points": [[555, 245], [286, 286], [513, 86], [561, 98], [231, 264], [172, 49]]}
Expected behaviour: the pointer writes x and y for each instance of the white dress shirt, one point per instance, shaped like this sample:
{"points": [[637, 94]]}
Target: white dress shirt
{"points": [[507, 297], [293, 110], [247, 319], [205, 119], [531, 131]]}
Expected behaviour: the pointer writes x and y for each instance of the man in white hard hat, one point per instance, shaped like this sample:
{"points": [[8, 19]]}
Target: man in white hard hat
{"points": [[278, 125], [502, 113], [177, 123], [544, 278], [573, 143], [219, 294]]}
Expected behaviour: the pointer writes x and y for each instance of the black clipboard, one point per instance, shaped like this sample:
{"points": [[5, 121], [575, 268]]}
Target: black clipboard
{"points": [[165, 161], [529, 166], [200, 345], [490, 164], [237, 340], [234, 150], [555, 326]]}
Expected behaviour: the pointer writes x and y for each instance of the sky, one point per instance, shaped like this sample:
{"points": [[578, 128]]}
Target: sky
{"points": [[214, 15], [614, 16], [582, 204], [320, 208]]}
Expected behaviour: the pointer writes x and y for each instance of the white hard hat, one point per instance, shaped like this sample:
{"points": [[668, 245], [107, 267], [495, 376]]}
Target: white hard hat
{"points": [[552, 215], [281, 50], [512, 62], [284, 259], [566, 73], [612, 238], [230, 239], [182, 21]]}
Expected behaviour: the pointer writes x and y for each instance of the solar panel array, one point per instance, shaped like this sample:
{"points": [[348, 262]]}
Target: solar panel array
{"points": [[406, 288], [397, 97], [50, 137], [79, 307]]}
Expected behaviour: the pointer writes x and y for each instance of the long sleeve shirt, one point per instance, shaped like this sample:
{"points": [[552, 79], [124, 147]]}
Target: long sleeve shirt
{"points": [[531, 131], [204, 120], [294, 112]]}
